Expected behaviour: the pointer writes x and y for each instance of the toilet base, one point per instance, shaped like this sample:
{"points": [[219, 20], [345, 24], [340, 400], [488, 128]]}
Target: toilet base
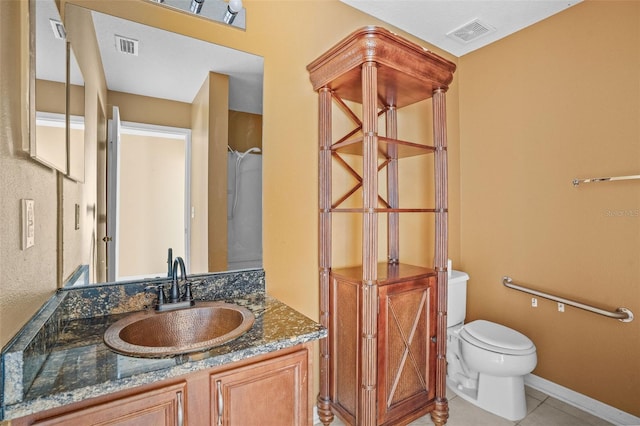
{"points": [[502, 396]]}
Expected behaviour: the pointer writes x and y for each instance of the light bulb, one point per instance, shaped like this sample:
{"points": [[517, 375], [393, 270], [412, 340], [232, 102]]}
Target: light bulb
{"points": [[233, 8], [196, 6], [235, 5]]}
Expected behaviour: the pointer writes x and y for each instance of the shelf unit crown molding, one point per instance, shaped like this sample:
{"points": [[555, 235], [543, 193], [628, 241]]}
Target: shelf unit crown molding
{"points": [[407, 72]]}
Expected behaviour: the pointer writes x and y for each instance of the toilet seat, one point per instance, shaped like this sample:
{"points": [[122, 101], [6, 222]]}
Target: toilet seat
{"points": [[496, 338]]}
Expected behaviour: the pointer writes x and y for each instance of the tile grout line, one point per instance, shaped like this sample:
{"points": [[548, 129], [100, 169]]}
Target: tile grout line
{"points": [[540, 403]]}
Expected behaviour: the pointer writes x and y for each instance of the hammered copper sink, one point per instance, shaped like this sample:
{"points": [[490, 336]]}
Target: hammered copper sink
{"points": [[154, 334]]}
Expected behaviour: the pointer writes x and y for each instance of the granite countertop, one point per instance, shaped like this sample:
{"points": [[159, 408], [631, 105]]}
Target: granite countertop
{"points": [[78, 365]]}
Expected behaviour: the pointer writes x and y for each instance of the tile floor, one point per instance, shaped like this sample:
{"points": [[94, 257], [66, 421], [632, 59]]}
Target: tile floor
{"points": [[542, 409]]}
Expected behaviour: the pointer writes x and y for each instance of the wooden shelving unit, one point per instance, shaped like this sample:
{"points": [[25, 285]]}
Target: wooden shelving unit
{"points": [[383, 361]]}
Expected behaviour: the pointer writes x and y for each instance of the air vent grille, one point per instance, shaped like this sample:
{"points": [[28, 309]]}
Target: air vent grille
{"points": [[471, 31], [127, 46], [58, 29]]}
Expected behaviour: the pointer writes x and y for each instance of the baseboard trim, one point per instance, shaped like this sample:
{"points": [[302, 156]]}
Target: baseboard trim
{"points": [[583, 402], [578, 400]]}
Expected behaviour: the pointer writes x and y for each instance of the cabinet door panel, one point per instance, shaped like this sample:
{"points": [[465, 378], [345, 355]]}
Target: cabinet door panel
{"points": [[406, 379], [272, 392], [162, 407], [344, 347]]}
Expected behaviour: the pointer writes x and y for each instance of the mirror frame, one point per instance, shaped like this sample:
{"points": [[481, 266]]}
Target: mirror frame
{"points": [[28, 75]]}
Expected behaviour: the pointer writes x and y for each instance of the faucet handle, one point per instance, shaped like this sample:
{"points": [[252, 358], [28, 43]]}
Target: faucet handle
{"points": [[159, 288], [188, 295]]}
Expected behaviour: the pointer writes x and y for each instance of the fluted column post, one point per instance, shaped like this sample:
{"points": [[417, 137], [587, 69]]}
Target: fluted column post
{"points": [[441, 412], [369, 341], [393, 221], [324, 253]]}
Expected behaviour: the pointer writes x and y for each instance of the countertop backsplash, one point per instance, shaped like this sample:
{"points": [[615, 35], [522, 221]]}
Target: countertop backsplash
{"points": [[24, 356]]}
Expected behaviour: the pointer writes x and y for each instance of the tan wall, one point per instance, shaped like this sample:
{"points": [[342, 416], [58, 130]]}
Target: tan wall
{"points": [[86, 247], [245, 130], [557, 101], [50, 96], [27, 278], [52, 145], [145, 109], [199, 186], [218, 138]]}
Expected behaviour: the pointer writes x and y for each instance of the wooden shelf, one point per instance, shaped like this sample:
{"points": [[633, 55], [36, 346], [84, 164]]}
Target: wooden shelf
{"points": [[388, 273], [370, 310], [404, 149], [383, 210]]}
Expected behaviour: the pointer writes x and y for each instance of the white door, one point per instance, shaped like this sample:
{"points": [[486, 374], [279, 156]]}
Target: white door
{"points": [[113, 184], [152, 199]]}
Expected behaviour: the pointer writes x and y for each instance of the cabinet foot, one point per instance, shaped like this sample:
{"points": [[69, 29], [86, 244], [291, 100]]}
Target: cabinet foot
{"points": [[440, 414], [324, 411]]}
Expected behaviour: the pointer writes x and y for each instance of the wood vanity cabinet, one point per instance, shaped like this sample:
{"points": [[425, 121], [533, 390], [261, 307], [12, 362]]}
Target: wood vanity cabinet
{"points": [[383, 362], [260, 394], [158, 407], [266, 390]]}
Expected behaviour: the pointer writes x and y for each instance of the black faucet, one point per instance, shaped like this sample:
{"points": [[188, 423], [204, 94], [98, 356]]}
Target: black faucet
{"points": [[175, 300], [169, 262], [174, 292]]}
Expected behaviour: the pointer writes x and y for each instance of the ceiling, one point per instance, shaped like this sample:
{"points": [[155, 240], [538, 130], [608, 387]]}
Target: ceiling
{"points": [[173, 66], [471, 24]]}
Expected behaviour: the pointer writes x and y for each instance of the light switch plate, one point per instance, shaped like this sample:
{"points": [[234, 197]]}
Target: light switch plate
{"points": [[28, 224], [77, 216]]}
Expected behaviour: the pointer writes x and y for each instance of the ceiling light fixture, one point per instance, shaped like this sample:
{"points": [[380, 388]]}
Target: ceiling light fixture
{"points": [[230, 12], [233, 8]]}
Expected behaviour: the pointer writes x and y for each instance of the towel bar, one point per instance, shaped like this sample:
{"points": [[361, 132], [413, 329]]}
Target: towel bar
{"points": [[622, 314], [577, 182]]}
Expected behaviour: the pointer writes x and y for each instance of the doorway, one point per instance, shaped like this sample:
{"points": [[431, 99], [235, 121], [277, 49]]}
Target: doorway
{"points": [[149, 198]]}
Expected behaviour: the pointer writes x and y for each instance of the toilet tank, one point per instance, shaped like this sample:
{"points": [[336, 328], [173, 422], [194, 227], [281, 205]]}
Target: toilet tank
{"points": [[457, 298]]}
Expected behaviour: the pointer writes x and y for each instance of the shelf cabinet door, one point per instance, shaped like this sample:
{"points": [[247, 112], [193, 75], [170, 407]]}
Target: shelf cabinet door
{"points": [[272, 392], [161, 407], [406, 350]]}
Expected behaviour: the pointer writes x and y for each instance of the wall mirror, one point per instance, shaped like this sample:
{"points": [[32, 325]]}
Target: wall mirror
{"points": [[52, 64], [164, 96]]}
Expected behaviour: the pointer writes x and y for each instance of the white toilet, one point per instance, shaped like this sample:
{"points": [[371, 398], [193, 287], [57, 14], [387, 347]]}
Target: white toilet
{"points": [[486, 362]]}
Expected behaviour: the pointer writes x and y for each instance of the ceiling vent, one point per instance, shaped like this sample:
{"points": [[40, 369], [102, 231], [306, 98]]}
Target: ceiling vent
{"points": [[471, 31], [58, 29], [127, 46]]}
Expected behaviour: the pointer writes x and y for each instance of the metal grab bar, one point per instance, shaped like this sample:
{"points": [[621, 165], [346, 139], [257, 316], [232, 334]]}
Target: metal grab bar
{"points": [[622, 314], [577, 182]]}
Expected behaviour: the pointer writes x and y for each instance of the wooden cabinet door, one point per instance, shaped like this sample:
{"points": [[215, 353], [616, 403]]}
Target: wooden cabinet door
{"points": [[406, 350], [161, 407], [269, 393]]}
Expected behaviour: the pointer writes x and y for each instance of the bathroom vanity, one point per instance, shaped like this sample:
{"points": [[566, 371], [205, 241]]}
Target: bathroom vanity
{"points": [[59, 371], [268, 389]]}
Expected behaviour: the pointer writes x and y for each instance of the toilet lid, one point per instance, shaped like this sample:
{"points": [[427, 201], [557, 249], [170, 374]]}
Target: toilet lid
{"points": [[498, 335]]}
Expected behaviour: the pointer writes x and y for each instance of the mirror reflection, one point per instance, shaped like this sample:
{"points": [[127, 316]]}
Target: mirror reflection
{"points": [[49, 144], [177, 126]]}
